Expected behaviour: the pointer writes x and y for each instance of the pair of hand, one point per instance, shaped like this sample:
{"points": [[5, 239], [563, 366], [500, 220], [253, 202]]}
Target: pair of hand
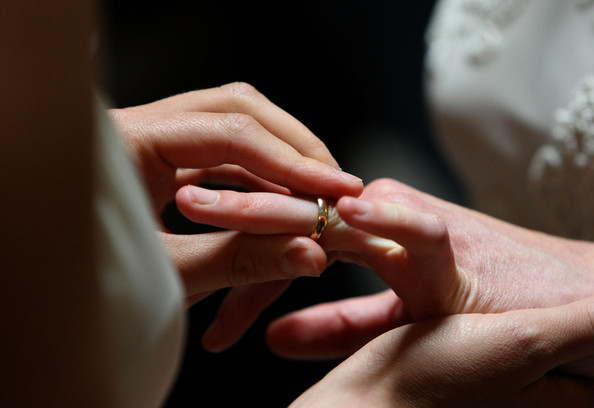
{"points": [[231, 135], [462, 262], [458, 262]]}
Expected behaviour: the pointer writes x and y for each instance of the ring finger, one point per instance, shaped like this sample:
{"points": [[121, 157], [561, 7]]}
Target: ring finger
{"points": [[254, 213]]}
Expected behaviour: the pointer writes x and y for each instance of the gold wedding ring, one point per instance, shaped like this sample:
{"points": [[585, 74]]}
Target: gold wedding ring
{"points": [[322, 220]]}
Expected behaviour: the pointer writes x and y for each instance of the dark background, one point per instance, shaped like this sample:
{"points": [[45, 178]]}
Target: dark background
{"points": [[349, 70], [337, 66]]}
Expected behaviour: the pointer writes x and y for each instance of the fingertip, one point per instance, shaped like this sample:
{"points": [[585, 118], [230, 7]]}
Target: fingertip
{"points": [[189, 198], [213, 339], [576, 322], [290, 257], [412, 228], [209, 339], [183, 200], [287, 337], [350, 207], [325, 156], [344, 202], [278, 334], [198, 195], [357, 188], [183, 195], [350, 178], [319, 254], [333, 183], [301, 261]]}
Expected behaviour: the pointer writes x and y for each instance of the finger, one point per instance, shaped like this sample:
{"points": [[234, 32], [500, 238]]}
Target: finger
{"points": [[208, 262], [563, 335], [424, 272], [201, 140], [226, 175], [463, 357], [422, 234], [428, 282], [334, 330], [244, 98], [256, 213], [559, 391], [239, 310]]}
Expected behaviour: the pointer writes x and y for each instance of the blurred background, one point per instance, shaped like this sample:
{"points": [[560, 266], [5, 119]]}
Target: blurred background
{"points": [[349, 70]]}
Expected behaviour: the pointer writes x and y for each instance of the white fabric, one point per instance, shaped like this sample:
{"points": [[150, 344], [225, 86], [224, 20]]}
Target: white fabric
{"points": [[511, 87], [142, 305]]}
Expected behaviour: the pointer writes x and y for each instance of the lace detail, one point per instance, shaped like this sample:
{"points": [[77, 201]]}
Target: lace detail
{"points": [[561, 174], [474, 27]]}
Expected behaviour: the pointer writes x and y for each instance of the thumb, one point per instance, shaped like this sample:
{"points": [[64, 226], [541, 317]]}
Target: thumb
{"points": [[568, 343], [560, 391]]}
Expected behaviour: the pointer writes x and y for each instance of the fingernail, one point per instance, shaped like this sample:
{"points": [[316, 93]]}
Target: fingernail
{"points": [[300, 262], [361, 208], [203, 196], [348, 177]]}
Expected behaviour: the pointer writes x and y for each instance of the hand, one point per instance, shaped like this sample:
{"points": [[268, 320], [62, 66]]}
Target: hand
{"points": [[471, 360], [234, 135], [447, 264], [459, 262], [232, 124]]}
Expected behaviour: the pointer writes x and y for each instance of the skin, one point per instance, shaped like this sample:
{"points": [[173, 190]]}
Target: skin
{"points": [[453, 306], [472, 360], [230, 125], [50, 299], [446, 263], [456, 267], [234, 135], [52, 319]]}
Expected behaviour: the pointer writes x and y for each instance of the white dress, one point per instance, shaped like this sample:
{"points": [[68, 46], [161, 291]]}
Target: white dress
{"points": [[142, 297], [511, 88]]}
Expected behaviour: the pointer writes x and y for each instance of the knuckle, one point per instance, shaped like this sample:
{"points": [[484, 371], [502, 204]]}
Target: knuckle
{"points": [[240, 91], [244, 267], [441, 234], [385, 188], [527, 339], [250, 207], [382, 181], [316, 148], [239, 124], [381, 184]]}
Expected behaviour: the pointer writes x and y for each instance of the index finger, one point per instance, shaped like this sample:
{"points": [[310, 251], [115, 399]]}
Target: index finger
{"points": [[240, 97], [202, 140]]}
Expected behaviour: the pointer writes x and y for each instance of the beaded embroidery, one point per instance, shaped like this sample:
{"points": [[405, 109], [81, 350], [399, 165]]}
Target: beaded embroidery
{"points": [[474, 27], [561, 174]]}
